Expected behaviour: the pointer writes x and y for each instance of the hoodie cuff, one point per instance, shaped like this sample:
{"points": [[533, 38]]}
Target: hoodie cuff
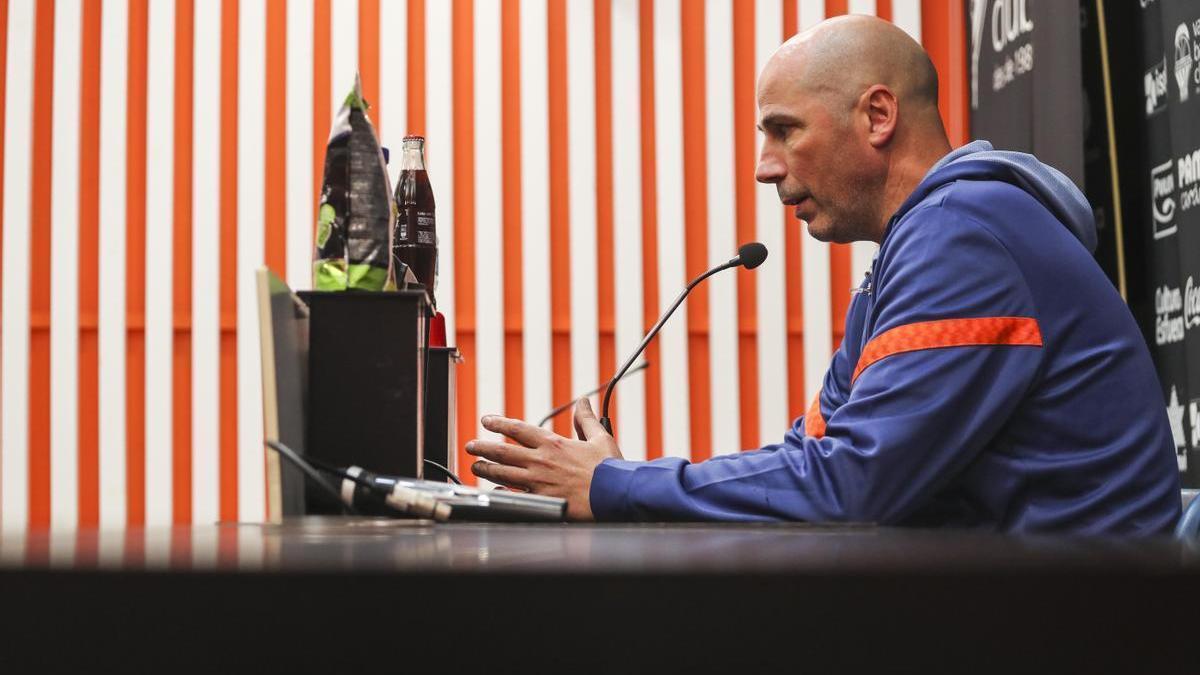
{"points": [[609, 495]]}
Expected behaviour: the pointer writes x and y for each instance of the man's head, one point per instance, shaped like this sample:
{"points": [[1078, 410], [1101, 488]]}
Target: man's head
{"points": [[848, 110]]}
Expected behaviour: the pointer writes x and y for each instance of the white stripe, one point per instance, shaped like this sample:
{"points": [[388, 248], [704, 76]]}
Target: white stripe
{"points": [[672, 264], [110, 541], [861, 7], [907, 15], [392, 119], [810, 13], [114, 38], [14, 329], [301, 202], [439, 155], [252, 26], [489, 234], [818, 342], [206, 261], [581, 170], [160, 143], [64, 268], [204, 539], [535, 212], [627, 221], [722, 227], [771, 289], [61, 555], [861, 252], [343, 52]]}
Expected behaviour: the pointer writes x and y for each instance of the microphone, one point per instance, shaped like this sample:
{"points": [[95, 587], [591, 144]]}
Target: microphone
{"points": [[749, 256]]}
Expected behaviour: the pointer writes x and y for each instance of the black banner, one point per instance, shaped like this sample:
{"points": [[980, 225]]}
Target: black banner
{"points": [[1024, 60]]}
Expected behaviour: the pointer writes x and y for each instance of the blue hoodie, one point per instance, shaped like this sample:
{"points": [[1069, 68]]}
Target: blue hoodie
{"points": [[990, 377]]}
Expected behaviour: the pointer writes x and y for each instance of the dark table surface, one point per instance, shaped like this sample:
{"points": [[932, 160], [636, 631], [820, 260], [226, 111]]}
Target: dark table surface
{"points": [[318, 593]]}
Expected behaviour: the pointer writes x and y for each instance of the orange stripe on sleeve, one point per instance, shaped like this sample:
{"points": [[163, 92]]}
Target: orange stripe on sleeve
{"points": [[814, 422], [987, 331], [89, 264]]}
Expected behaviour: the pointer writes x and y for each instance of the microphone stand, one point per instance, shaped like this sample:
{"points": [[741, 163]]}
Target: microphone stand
{"points": [[604, 420]]}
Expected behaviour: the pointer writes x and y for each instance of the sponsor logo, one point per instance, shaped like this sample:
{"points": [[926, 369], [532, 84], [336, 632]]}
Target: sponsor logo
{"points": [[1175, 417], [1187, 179], [1183, 60], [1008, 21], [1162, 199], [1169, 324], [1191, 304], [1194, 421], [1155, 85], [1186, 65]]}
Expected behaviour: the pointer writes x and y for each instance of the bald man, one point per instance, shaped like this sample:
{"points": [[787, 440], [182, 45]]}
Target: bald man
{"points": [[990, 377]]}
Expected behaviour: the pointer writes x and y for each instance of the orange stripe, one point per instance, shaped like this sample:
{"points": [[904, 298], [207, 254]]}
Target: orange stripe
{"points": [[510, 114], [181, 271], [814, 422], [135, 267], [3, 103], [695, 210], [560, 230], [321, 96], [228, 460], [986, 331], [89, 263], [368, 56], [744, 151], [793, 275], [943, 31], [40, 265], [275, 138], [416, 67], [464, 220], [605, 272], [650, 308], [839, 254], [883, 9]]}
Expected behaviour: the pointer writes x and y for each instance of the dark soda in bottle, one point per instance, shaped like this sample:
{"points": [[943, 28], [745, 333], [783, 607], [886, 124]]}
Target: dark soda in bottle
{"points": [[414, 241]]}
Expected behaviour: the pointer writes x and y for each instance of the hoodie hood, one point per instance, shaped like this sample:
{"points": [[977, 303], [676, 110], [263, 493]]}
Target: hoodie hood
{"points": [[979, 161]]}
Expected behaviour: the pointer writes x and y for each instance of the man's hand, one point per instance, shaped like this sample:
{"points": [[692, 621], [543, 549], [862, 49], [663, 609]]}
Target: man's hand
{"points": [[546, 463]]}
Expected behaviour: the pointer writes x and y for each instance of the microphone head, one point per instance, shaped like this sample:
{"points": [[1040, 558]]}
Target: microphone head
{"points": [[752, 255]]}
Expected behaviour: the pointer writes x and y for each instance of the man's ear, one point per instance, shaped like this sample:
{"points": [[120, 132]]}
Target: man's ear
{"points": [[882, 113]]}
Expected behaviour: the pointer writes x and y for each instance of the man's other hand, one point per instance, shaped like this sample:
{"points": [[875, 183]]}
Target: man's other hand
{"points": [[545, 463]]}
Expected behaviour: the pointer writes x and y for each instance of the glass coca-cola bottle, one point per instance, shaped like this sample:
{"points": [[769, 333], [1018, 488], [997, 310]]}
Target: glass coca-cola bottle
{"points": [[414, 240]]}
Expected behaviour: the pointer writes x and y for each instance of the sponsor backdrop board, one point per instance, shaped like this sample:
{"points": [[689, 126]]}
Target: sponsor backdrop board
{"points": [[1024, 60], [1153, 46]]}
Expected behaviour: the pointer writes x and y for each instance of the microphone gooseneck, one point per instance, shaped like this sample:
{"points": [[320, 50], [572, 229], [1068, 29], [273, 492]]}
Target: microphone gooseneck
{"points": [[749, 255]]}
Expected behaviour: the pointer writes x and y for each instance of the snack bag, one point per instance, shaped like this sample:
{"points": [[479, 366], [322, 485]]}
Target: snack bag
{"points": [[353, 242]]}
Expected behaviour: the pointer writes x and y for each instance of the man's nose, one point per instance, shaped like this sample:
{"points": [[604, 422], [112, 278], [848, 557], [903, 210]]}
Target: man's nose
{"points": [[771, 168]]}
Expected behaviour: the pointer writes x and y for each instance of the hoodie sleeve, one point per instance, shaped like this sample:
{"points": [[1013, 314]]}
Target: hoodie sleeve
{"points": [[953, 347]]}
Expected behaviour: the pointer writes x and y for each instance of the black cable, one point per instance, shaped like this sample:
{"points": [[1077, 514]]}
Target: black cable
{"points": [[448, 472], [557, 411], [309, 471]]}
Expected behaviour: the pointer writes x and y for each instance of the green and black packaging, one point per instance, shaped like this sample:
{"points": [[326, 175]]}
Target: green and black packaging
{"points": [[353, 242]]}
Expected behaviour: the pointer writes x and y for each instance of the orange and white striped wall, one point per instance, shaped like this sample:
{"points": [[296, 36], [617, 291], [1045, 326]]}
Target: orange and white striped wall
{"points": [[587, 156]]}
